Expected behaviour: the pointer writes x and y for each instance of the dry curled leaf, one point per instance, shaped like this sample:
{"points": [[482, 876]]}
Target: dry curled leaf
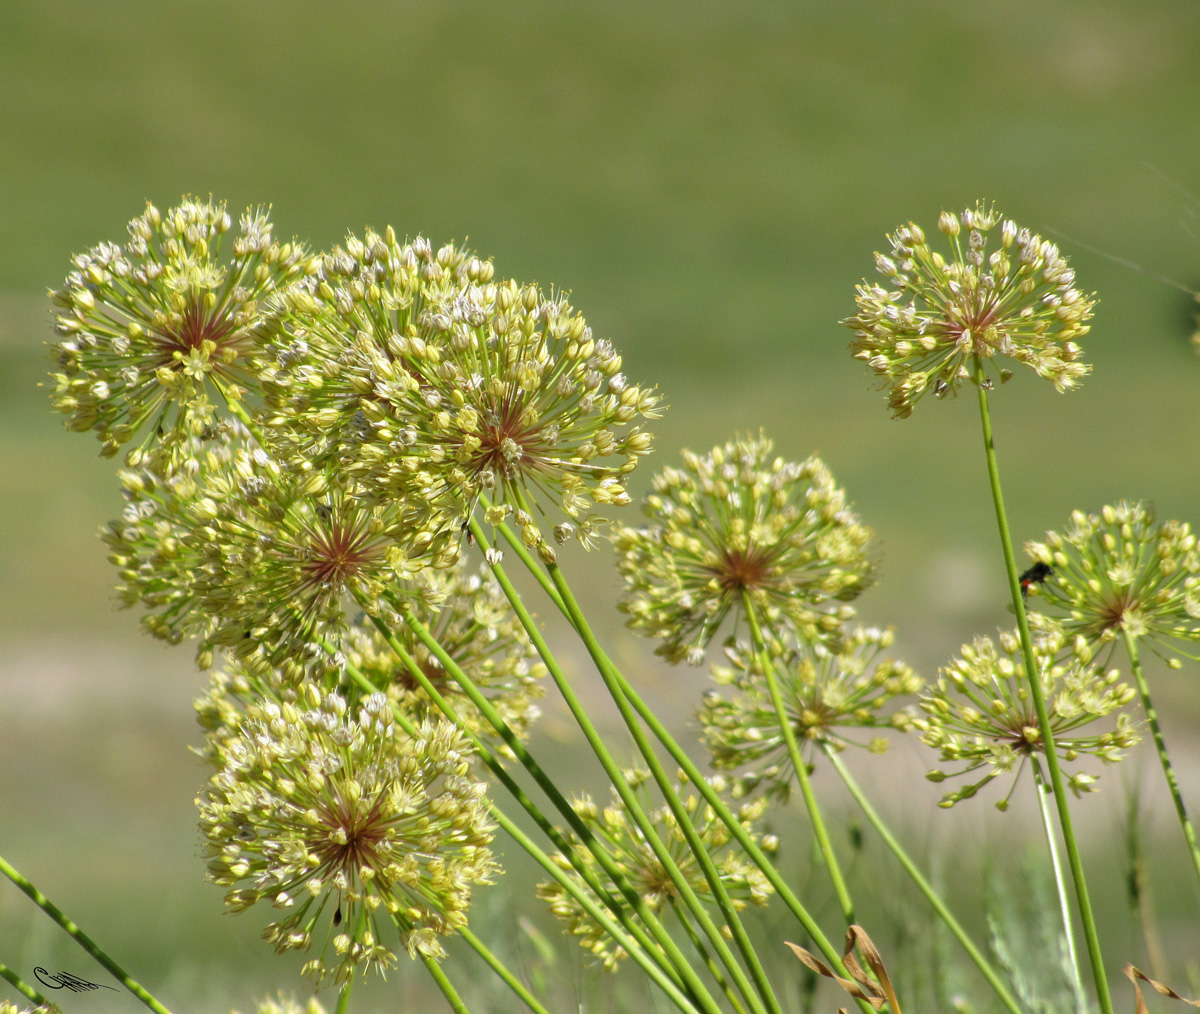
{"points": [[860, 985], [1133, 974]]}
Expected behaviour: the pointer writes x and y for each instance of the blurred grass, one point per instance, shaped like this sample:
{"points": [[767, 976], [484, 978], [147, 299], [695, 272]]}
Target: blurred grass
{"points": [[709, 180]]}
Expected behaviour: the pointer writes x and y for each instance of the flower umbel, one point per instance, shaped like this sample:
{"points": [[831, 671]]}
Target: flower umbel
{"points": [[826, 692], [934, 316], [1121, 572], [165, 320], [364, 836], [438, 384], [620, 837], [980, 711], [287, 1005], [471, 620], [737, 522]]}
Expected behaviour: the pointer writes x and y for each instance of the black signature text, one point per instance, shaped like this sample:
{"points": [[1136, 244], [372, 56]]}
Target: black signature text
{"points": [[65, 980]]}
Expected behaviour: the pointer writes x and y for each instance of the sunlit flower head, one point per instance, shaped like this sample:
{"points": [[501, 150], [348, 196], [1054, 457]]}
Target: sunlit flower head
{"points": [[1119, 573], [923, 327], [617, 833], [980, 714], [738, 522], [827, 693], [152, 329], [282, 1004], [472, 621], [434, 382], [153, 542], [470, 618], [366, 839], [252, 556], [289, 556]]}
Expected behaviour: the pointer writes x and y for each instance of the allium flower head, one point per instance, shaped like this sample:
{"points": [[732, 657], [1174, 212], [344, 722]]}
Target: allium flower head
{"points": [[620, 837], [471, 620], [980, 713], [1121, 572], [365, 838], [826, 693], [434, 382], [244, 552], [735, 522], [165, 320], [923, 327], [287, 1005], [288, 555]]}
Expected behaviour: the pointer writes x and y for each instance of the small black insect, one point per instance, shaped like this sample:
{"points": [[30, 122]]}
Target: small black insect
{"points": [[1035, 575], [337, 916]]}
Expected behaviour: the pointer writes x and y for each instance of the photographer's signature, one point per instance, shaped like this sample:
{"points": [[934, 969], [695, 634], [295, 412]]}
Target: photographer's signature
{"points": [[65, 980]]}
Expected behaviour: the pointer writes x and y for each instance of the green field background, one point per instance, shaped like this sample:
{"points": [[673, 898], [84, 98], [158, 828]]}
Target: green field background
{"points": [[709, 181]]}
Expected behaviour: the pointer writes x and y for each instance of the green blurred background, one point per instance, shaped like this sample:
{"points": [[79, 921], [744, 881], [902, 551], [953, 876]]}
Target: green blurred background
{"points": [[710, 181]]}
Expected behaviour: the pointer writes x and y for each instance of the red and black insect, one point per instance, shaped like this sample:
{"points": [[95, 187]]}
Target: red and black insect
{"points": [[1035, 575]]}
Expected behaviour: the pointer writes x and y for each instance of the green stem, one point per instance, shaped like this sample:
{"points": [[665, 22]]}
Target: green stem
{"points": [[19, 983], [713, 968], [502, 970], [1060, 883], [1160, 745], [1083, 901], [798, 763], [617, 778], [672, 977], [756, 855], [923, 885], [695, 845], [443, 983], [343, 1003], [81, 938]]}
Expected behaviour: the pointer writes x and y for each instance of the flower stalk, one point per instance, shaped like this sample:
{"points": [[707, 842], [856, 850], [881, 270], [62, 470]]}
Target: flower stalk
{"points": [[1083, 901], [1060, 882], [81, 938], [923, 885], [800, 766], [1160, 747]]}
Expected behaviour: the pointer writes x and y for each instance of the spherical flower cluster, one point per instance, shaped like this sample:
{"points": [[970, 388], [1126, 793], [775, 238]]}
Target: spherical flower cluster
{"points": [[472, 621], [825, 693], [165, 320], [467, 614], [1120, 572], [980, 712], [933, 318], [287, 1005], [737, 523], [433, 382], [619, 836], [248, 554], [152, 544], [365, 837]]}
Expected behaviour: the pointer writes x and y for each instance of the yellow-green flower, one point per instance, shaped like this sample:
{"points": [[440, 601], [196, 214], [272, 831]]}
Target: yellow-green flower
{"points": [[1122, 572], [287, 1005], [467, 614], [619, 836], [150, 330], [735, 522], [253, 555], [980, 713], [366, 838], [826, 692], [923, 328], [434, 383]]}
